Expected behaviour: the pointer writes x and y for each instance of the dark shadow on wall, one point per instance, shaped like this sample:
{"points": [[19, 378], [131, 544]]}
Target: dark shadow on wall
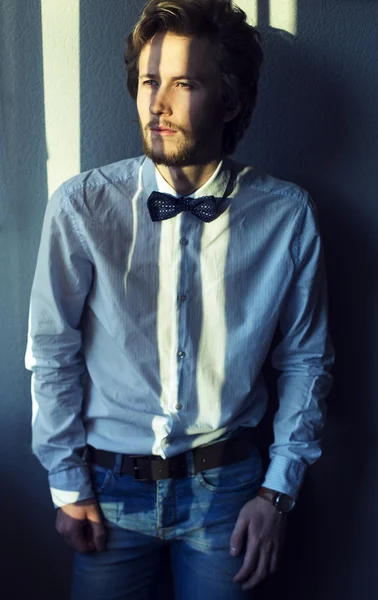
{"points": [[23, 179], [316, 124], [109, 128]]}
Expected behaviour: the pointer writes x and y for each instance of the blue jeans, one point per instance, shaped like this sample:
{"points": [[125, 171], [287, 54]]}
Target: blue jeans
{"points": [[187, 522]]}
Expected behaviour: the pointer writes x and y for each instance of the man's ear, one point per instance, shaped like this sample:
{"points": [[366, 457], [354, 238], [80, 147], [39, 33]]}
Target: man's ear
{"points": [[230, 112]]}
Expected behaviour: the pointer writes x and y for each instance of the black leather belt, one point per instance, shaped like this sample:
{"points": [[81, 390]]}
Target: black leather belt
{"points": [[153, 468]]}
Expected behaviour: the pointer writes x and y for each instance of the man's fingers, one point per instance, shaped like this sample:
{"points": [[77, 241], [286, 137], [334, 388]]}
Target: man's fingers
{"points": [[93, 514], [260, 572], [86, 536], [237, 539], [81, 526], [96, 528], [276, 554], [250, 559], [79, 541], [265, 535], [278, 548], [98, 535]]}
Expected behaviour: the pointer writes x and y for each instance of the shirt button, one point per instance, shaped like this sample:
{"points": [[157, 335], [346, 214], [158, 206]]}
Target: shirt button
{"points": [[181, 354], [178, 406], [184, 241], [183, 297]]}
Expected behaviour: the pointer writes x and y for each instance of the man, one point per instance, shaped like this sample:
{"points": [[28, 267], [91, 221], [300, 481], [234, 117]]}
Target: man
{"points": [[159, 285]]}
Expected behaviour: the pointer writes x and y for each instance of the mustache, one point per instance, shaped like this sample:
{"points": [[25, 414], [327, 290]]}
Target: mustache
{"points": [[165, 125]]}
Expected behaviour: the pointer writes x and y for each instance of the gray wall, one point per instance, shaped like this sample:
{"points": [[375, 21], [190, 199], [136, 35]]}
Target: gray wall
{"points": [[317, 124]]}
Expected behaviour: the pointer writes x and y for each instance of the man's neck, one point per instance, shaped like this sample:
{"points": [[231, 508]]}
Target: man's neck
{"points": [[186, 180]]}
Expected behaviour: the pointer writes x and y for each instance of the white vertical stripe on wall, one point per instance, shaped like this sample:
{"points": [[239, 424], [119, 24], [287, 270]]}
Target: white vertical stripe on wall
{"points": [[250, 8], [61, 74], [283, 15], [212, 348]]}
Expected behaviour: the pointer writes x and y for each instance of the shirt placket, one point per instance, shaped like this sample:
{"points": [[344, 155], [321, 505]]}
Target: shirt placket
{"points": [[184, 295]]}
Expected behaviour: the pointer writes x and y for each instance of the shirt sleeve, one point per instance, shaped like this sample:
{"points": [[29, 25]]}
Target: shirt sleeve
{"points": [[304, 358], [61, 284]]}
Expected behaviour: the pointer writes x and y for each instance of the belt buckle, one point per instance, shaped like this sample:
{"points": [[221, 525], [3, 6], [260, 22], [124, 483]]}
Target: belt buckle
{"points": [[136, 468]]}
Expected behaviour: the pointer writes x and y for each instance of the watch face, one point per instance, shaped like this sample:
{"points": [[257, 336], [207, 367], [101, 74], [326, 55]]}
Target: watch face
{"points": [[284, 503]]}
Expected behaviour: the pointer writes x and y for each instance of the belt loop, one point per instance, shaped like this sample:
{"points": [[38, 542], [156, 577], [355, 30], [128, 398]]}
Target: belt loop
{"points": [[118, 464], [190, 463]]}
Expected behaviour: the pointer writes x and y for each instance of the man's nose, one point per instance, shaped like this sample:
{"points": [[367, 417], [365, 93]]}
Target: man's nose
{"points": [[160, 103]]}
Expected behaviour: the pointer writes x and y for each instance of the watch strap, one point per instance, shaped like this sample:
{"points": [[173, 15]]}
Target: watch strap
{"points": [[267, 494], [283, 503]]}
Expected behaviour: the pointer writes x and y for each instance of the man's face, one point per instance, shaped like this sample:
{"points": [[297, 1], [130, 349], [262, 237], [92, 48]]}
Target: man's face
{"points": [[179, 89]]}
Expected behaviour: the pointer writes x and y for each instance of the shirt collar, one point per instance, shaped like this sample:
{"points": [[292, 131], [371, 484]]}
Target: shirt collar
{"points": [[215, 186]]}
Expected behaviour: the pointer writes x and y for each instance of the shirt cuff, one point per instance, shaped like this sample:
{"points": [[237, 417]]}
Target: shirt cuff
{"points": [[285, 476], [70, 485]]}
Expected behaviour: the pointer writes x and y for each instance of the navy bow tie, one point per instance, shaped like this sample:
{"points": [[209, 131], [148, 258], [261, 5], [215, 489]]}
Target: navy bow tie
{"points": [[165, 206]]}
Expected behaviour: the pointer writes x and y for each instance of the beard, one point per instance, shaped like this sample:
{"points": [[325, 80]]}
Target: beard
{"points": [[186, 151]]}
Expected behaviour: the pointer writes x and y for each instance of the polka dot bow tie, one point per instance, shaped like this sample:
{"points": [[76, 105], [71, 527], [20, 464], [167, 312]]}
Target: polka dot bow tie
{"points": [[165, 206]]}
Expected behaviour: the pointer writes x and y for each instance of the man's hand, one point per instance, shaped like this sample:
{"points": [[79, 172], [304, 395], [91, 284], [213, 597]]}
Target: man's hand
{"points": [[261, 529], [81, 526]]}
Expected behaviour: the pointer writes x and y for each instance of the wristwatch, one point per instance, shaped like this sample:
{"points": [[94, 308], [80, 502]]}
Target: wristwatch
{"points": [[282, 502]]}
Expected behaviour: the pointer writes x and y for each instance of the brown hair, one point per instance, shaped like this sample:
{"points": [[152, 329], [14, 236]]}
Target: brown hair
{"points": [[237, 51]]}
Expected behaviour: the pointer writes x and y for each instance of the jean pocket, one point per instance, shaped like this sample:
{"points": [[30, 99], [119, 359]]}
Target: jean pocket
{"points": [[101, 478], [238, 476]]}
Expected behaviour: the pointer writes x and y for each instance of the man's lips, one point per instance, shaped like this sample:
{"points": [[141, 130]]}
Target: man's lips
{"points": [[162, 130]]}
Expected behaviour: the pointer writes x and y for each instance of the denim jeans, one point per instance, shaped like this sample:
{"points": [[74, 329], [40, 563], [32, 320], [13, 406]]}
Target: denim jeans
{"points": [[186, 523]]}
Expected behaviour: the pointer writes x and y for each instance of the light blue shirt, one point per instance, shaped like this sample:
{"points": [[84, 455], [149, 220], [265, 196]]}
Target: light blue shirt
{"points": [[149, 338]]}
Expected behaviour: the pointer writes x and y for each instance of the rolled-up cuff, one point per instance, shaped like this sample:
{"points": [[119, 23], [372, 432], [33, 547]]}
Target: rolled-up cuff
{"points": [[285, 476], [70, 485]]}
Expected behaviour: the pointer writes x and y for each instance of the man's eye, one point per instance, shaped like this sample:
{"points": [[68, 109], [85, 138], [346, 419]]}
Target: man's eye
{"points": [[183, 84]]}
